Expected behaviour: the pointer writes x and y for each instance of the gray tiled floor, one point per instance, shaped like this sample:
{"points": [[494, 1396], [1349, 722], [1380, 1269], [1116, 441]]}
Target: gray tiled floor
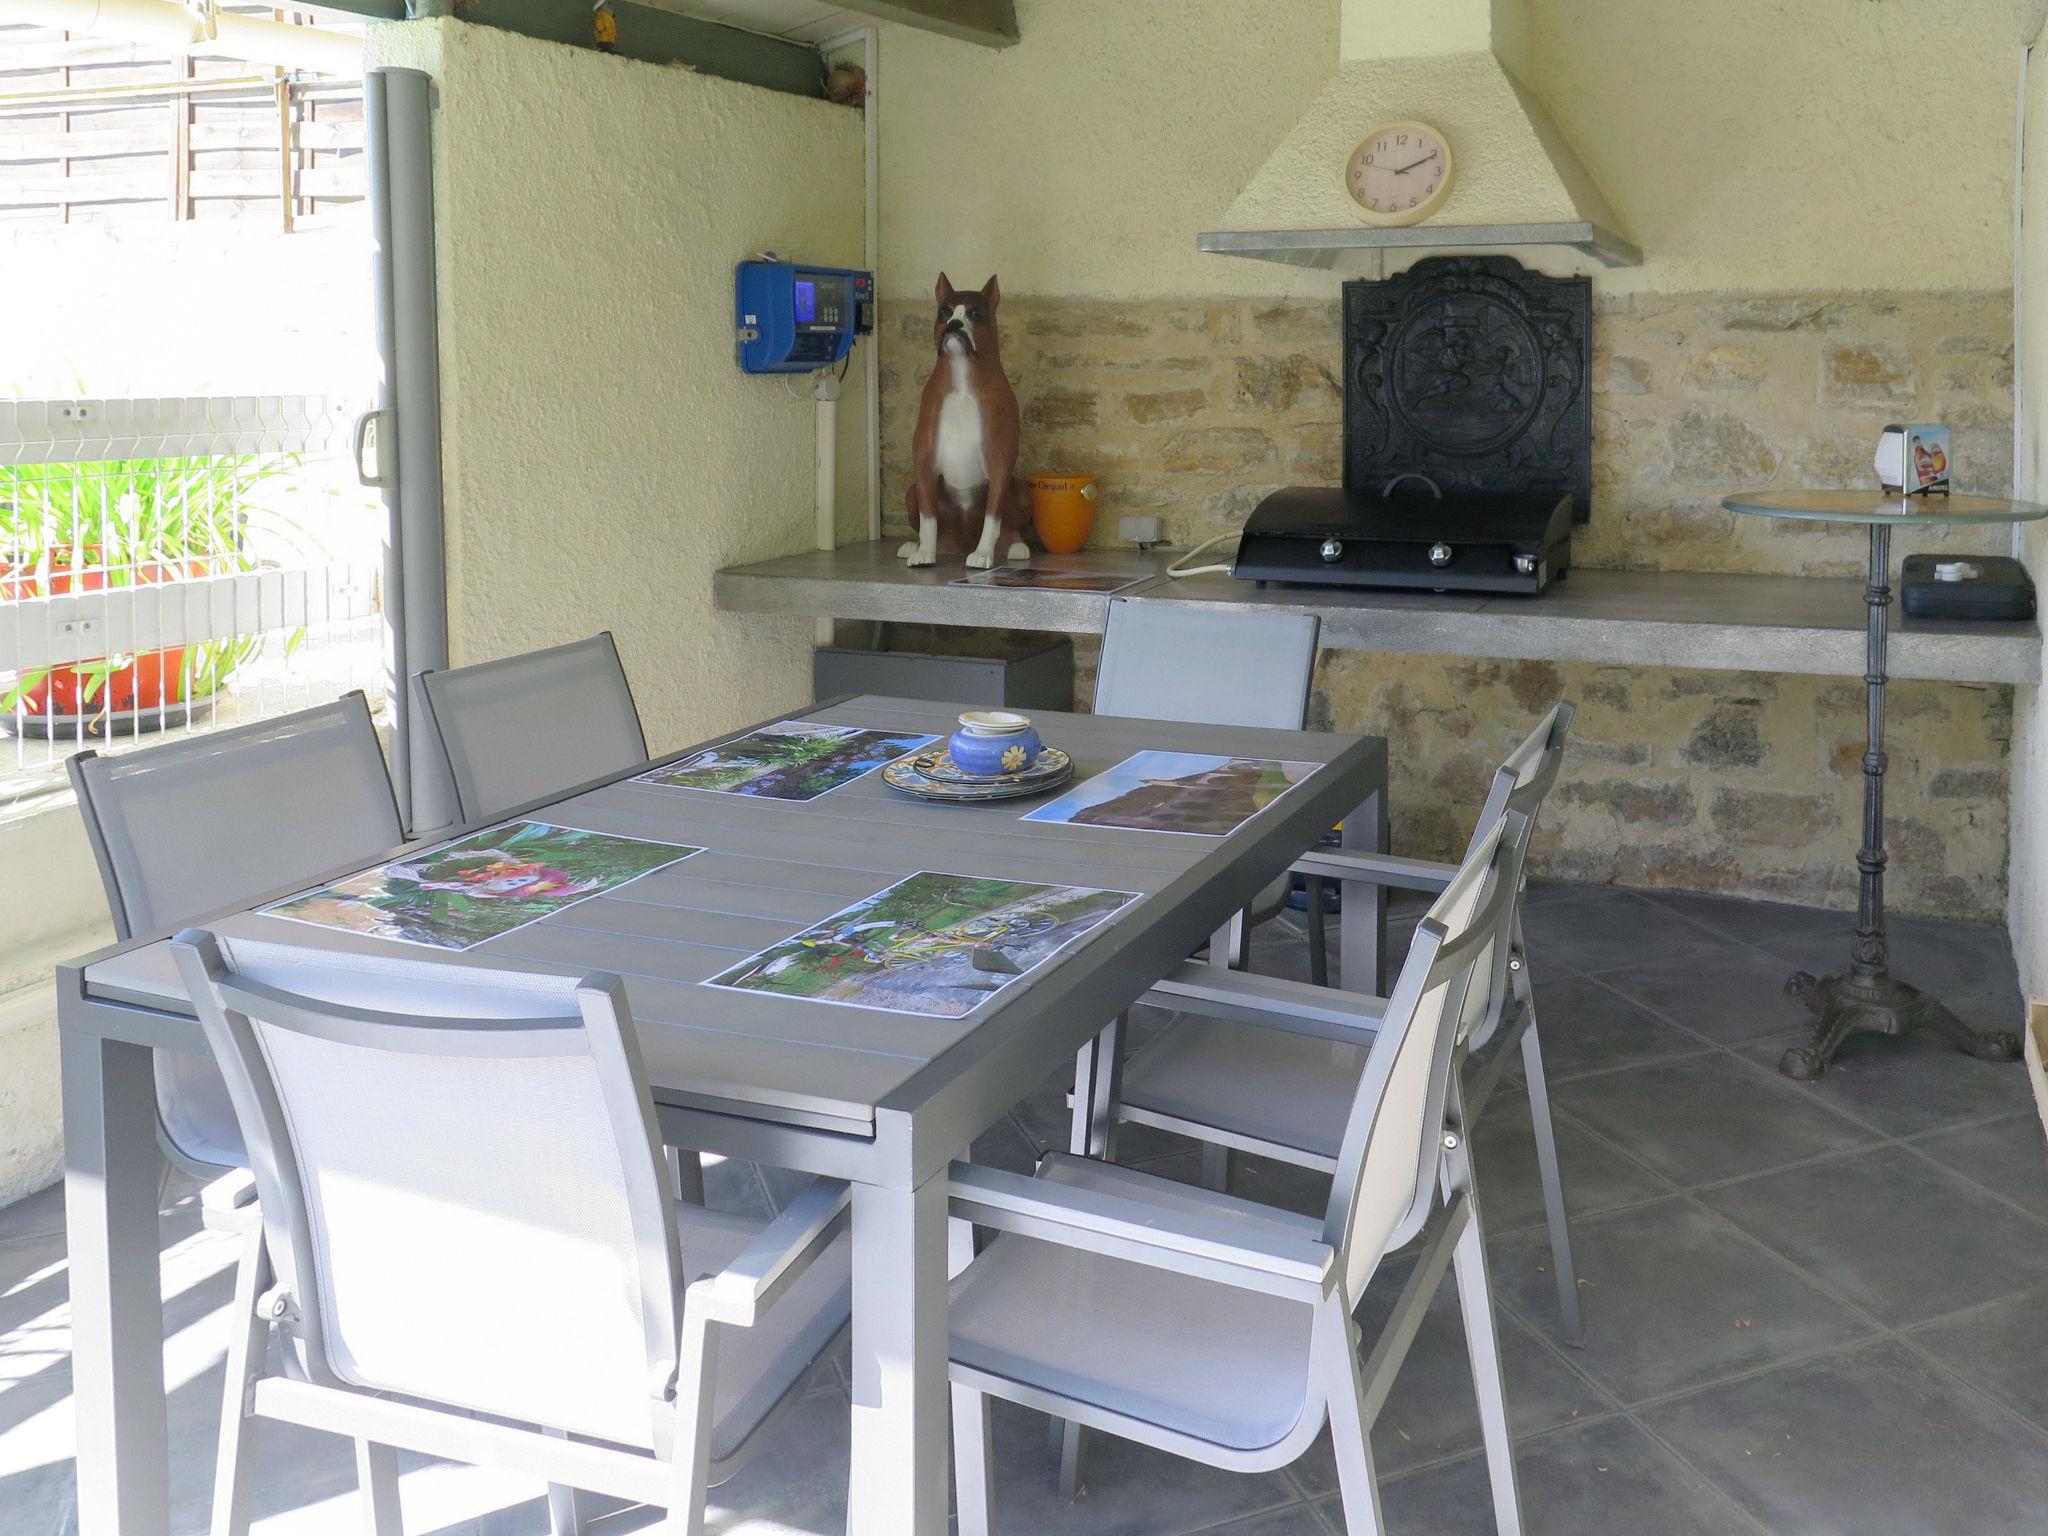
{"points": [[1811, 1311]]}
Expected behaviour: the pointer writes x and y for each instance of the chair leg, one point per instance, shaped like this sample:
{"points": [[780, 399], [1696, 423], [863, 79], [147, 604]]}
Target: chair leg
{"points": [[1350, 1434], [1573, 1323], [973, 1463], [1070, 1449], [565, 1518], [1482, 1343], [690, 1471], [245, 1361], [685, 1174], [1318, 932], [1217, 1165], [377, 1478]]}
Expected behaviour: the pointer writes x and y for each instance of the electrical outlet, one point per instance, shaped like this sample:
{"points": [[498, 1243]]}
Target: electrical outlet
{"points": [[1139, 530]]}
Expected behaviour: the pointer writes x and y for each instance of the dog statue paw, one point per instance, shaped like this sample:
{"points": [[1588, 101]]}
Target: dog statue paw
{"points": [[1019, 551], [980, 562], [914, 553], [907, 550]]}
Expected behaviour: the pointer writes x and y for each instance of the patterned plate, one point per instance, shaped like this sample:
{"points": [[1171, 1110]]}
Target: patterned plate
{"points": [[931, 776]]}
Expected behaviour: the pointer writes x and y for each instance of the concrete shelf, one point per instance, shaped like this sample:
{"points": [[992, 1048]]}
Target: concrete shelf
{"points": [[1703, 620]]}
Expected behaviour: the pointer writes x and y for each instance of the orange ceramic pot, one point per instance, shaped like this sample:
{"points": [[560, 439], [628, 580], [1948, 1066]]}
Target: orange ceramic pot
{"points": [[1063, 511]]}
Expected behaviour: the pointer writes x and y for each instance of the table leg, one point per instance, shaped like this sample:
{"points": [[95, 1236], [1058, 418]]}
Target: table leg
{"points": [[900, 1404], [1098, 1081], [112, 1171], [1362, 926], [1867, 999]]}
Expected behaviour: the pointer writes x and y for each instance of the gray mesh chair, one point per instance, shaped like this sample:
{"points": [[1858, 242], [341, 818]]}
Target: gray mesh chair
{"points": [[185, 829], [1219, 1329], [1280, 1086], [520, 728], [466, 1248], [1165, 661]]}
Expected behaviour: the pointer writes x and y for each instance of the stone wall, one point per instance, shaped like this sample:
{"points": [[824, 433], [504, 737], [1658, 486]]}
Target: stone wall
{"points": [[1736, 782]]}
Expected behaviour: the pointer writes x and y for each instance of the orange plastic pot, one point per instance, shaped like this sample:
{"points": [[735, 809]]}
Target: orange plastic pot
{"points": [[120, 685], [1063, 511]]}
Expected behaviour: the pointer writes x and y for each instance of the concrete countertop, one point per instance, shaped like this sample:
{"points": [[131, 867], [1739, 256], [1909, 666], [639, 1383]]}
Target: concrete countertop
{"points": [[1704, 620]]}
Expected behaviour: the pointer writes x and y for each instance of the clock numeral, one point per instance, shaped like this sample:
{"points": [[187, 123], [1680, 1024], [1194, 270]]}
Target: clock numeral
{"points": [[1400, 138], [1368, 159]]}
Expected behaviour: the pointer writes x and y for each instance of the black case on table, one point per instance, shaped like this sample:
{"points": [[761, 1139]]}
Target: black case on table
{"points": [[2000, 590]]}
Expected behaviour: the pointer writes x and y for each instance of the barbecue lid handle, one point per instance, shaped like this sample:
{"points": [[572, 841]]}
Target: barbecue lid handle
{"points": [[1387, 490]]}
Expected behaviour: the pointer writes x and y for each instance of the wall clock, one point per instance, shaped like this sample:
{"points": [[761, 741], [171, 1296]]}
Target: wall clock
{"points": [[1400, 173]]}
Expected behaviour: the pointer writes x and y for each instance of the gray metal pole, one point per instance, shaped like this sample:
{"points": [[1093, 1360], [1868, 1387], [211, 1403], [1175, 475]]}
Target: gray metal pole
{"points": [[399, 144]]}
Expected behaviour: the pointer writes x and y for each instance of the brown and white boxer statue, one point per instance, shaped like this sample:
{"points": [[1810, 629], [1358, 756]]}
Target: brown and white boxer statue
{"points": [[965, 452]]}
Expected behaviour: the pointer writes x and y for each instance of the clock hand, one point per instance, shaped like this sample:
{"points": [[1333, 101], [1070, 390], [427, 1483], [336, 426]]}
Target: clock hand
{"points": [[1404, 170]]}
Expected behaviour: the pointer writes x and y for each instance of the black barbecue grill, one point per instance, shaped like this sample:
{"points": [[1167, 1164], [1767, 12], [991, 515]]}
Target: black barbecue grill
{"points": [[1468, 437]]}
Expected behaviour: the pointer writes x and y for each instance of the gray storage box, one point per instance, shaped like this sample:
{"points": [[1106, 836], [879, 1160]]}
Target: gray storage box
{"points": [[983, 668]]}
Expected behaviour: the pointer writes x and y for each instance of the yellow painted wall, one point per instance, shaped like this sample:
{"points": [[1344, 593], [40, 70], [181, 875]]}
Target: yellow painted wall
{"points": [[1744, 144], [602, 453]]}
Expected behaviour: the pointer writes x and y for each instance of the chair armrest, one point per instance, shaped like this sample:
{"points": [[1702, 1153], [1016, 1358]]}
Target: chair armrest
{"points": [[776, 1258], [1220, 1245], [228, 1204], [1376, 869], [1271, 1002]]}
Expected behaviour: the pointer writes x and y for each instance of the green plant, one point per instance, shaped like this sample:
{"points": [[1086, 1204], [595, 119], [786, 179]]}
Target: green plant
{"points": [[132, 522]]}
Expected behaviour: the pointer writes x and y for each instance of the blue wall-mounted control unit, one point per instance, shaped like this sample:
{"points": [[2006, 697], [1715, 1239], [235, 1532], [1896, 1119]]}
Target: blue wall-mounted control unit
{"points": [[798, 319]]}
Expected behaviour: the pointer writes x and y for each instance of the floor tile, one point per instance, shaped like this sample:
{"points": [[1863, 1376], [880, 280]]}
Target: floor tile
{"points": [[1130, 1489], [1606, 932], [1999, 1349], [1301, 1520], [2008, 1157], [1432, 1411], [38, 1215], [1898, 1235], [1906, 1086], [1875, 1442], [1587, 1027], [1728, 995], [1748, 922], [1595, 1177], [1603, 1479], [1707, 1118], [1674, 1297]]}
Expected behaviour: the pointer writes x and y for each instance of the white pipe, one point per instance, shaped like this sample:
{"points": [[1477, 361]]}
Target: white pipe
{"points": [[869, 39], [177, 29], [827, 396]]}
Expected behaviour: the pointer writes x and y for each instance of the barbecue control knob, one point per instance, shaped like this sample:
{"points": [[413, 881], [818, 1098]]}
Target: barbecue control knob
{"points": [[1439, 554], [1332, 551]]}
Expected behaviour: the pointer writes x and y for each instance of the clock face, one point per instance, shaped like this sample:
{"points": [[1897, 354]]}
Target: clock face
{"points": [[1400, 173]]}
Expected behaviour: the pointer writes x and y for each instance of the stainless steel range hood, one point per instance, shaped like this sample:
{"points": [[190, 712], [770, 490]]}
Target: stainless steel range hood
{"points": [[1448, 63]]}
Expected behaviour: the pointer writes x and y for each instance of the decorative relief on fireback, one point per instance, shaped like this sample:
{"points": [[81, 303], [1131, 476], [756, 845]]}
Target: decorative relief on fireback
{"points": [[1474, 371]]}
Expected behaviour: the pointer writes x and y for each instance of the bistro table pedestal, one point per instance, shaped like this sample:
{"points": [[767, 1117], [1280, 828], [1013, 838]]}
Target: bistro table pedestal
{"points": [[1867, 998]]}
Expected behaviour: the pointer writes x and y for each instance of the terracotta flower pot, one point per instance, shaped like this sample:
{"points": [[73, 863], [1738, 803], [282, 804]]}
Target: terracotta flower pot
{"points": [[1063, 511]]}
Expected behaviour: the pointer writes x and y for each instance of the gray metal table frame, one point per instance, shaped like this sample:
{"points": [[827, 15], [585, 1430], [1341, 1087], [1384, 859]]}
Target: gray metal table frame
{"points": [[117, 1005]]}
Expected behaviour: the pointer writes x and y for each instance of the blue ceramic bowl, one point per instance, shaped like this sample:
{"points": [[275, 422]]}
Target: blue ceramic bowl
{"points": [[993, 742]]}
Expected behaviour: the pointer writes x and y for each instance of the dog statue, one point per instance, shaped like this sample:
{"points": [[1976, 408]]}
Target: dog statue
{"points": [[964, 455]]}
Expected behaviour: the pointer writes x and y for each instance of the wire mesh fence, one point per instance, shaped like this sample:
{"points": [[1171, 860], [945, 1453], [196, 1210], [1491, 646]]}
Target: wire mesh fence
{"points": [[176, 566]]}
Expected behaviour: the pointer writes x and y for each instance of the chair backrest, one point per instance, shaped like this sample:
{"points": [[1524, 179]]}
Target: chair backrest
{"points": [[189, 827], [520, 727], [1521, 784], [1387, 1166], [1170, 661], [459, 1174]]}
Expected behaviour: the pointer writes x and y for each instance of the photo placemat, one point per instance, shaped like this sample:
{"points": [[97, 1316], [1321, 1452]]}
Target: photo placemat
{"points": [[789, 760], [931, 943], [478, 887], [1190, 793], [1048, 580]]}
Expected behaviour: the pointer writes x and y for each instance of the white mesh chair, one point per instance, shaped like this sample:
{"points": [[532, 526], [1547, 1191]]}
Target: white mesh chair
{"points": [[1219, 1329], [182, 830], [520, 728], [1279, 1085], [1165, 661], [466, 1248]]}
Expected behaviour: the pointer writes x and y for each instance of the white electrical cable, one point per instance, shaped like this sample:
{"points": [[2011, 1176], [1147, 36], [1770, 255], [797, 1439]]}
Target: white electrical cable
{"points": [[1181, 568]]}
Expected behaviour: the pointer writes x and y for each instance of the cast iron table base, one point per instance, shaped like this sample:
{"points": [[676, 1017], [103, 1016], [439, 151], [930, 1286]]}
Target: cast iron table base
{"points": [[1868, 999]]}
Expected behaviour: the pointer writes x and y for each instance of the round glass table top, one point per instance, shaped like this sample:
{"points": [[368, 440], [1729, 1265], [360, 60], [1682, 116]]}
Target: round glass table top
{"points": [[1882, 507]]}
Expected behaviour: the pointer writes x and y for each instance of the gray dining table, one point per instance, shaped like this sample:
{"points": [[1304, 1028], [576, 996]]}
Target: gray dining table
{"points": [[884, 1099]]}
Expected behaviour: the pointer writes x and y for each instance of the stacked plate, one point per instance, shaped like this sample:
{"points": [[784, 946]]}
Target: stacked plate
{"points": [[932, 775]]}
